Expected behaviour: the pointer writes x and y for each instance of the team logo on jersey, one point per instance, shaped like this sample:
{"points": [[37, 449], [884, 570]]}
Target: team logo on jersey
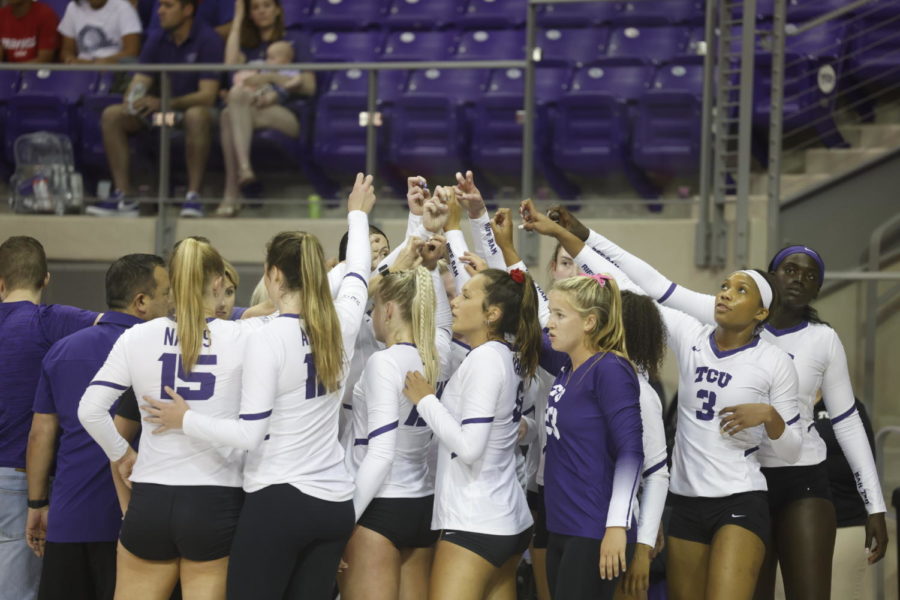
{"points": [[712, 376]]}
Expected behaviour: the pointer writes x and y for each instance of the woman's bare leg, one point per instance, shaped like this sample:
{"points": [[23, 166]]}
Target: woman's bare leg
{"points": [[139, 579]]}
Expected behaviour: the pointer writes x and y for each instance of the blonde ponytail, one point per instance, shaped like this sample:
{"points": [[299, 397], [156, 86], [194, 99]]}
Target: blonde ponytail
{"points": [[414, 294], [194, 264], [299, 257]]}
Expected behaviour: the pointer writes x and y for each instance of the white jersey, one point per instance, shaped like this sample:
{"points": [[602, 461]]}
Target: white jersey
{"points": [[707, 463], [147, 358], [540, 390], [818, 358], [366, 346], [288, 420], [476, 423], [389, 436], [655, 473]]}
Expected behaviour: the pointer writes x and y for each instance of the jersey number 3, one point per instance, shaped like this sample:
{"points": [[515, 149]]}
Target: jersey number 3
{"points": [[707, 410], [201, 386]]}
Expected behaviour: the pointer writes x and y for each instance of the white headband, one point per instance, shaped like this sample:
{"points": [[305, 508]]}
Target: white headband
{"points": [[765, 290]]}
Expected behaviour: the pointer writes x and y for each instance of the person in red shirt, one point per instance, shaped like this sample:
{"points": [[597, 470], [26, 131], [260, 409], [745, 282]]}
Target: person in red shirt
{"points": [[28, 32]]}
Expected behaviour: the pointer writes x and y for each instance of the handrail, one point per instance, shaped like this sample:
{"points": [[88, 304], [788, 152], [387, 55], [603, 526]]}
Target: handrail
{"points": [[405, 65], [871, 304], [880, 438], [828, 16]]}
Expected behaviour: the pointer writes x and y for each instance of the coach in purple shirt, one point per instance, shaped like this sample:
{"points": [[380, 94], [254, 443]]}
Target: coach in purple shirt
{"points": [[182, 39], [27, 330], [83, 517]]}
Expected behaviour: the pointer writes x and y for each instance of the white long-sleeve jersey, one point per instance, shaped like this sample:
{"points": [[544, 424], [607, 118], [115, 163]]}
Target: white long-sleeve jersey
{"points": [[476, 423], [818, 357], [288, 421], [147, 358], [655, 473]]}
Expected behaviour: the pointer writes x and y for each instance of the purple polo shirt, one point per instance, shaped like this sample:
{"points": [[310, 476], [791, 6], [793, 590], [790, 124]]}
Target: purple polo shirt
{"points": [[594, 435], [83, 503], [211, 12], [27, 331], [203, 45]]}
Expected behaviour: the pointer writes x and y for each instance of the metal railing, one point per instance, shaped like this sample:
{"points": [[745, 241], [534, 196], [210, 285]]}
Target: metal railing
{"points": [[880, 439]]}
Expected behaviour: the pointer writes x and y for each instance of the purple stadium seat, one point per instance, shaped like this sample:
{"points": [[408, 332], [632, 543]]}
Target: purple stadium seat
{"points": [[48, 101], [430, 123], [415, 14], [345, 14], [650, 44], [578, 14], [9, 85], [491, 45], [340, 46], [497, 126], [572, 47], [419, 45], [660, 12], [800, 11], [296, 12], [495, 13], [667, 127], [591, 126], [873, 62]]}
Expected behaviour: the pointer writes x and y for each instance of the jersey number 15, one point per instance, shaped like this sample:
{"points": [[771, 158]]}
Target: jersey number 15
{"points": [[200, 385]]}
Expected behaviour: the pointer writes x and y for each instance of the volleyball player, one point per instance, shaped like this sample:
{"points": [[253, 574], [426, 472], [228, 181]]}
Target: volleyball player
{"points": [[734, 383], [83, 517], [186, 493], [227, 310], [298, 514], [479, 505], [803, 519], [28, 330], [391, 549]]}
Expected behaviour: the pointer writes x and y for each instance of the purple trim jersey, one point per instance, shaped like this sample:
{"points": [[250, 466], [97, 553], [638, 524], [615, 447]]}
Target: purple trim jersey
{"points": [[27, 331], [594, 451], [83, 503]]}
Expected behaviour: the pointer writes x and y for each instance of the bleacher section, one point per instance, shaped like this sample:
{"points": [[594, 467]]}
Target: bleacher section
{"points": [[618, 88]]}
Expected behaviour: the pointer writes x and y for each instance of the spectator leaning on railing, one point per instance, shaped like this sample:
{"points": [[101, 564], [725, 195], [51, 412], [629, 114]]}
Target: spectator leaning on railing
{"points": [[28, 32], [258, 101], [100, 31], [182, 39]]}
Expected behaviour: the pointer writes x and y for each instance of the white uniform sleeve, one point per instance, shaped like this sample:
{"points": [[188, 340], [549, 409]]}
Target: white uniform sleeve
{"points": [[263, 361], [414, 227], [682, 331], [837, 393], [783, 397], [111, 380], [655, 474], [528, 409], [383, 387], [654, 283], [353, 294], [543, 301], [485, 244], [456, 247], [481, 387], [592, 263], [335, 277]]}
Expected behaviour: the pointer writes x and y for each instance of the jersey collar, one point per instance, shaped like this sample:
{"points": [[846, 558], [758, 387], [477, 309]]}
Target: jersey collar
{"points": [[780, 332], [727, 353]]}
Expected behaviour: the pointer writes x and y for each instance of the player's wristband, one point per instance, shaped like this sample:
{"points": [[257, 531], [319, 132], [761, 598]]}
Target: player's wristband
{"points": [[38, 503]]}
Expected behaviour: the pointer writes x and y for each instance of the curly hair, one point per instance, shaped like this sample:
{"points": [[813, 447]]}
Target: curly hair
{"points": [[645, 334]]}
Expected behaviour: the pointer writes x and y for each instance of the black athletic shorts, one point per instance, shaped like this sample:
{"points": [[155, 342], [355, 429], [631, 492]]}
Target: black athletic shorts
{"points": [[195, 522], [539, 512], [496, 549], [404, 521], [698, 519], [787, 484]]}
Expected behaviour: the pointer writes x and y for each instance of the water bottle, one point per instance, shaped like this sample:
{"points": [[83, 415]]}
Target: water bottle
{"points": [[42, 202], [137, 91], [315, 206]]}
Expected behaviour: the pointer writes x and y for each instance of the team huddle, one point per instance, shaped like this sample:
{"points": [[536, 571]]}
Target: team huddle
{"points": [[410, 422]]}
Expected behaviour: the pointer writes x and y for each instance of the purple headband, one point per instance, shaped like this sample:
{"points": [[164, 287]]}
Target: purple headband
{"points": [[779, 258]]}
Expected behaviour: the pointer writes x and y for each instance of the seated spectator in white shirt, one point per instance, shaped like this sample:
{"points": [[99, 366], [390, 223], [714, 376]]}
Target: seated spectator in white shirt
{"points": [[100, 31]]}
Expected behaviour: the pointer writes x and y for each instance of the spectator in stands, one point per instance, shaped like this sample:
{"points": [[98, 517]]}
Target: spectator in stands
{"points": [[182, 39], [83, 519], [100, 31], [258, 24], [28, 32], [215, 13]]}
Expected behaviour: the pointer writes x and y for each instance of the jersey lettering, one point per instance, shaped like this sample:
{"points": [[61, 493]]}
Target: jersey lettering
{"points": [[707, 410], [520, 401], [314, 388], [414, 420], [712, 376]]}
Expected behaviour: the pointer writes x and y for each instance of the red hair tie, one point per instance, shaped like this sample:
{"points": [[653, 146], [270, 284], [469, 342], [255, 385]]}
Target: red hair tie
{"points": [[517, 275], [600, 278]]}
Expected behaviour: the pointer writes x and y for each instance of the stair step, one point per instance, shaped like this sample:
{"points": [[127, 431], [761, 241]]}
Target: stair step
{"points": [[790, 184], [832, 161], [873, 136]]}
